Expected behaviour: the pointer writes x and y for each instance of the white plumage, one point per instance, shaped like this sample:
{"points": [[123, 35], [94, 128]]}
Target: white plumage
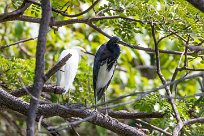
{"points": [[104, 76], [66, 75]]}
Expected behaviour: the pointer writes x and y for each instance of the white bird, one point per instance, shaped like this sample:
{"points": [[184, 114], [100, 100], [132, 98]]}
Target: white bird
{"points": [[67, 73]]}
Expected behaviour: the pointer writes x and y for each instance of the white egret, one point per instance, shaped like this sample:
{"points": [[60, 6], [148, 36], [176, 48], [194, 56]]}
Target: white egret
{"points": [[67, 73]]}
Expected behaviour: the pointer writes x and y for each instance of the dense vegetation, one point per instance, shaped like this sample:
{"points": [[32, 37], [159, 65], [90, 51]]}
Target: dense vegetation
{"points": [[158, 85]]}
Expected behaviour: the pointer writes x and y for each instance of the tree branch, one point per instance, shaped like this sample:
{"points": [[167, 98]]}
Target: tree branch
{"points": [[143, 94], [16, 13], [21, 41], [192, 121], [89, 22], [12, 122], [52, 131], [46, 88], [133, 46], [171, 101], [67, 15], [153, 127], [54, 69], [196, 120], [39, 70], [74, 110], [134, 115]]}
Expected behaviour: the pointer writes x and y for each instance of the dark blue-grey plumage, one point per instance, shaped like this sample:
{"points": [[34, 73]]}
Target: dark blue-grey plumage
{"points": [[104, 66]]}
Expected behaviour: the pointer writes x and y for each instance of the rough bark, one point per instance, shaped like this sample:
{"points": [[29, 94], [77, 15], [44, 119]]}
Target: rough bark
{"points": [[74, 110], [39, 69]]}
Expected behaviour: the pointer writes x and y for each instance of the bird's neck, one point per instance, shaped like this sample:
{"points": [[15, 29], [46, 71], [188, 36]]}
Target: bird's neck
{"points": [[111, 46]]}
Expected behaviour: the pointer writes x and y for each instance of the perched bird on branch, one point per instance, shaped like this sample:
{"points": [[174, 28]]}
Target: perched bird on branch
{"points": [[67, 73], [104, 66]]}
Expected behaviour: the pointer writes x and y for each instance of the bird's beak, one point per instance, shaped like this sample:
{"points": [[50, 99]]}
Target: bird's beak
{"points": [[88, 53], [82, 52], [119, 41]]}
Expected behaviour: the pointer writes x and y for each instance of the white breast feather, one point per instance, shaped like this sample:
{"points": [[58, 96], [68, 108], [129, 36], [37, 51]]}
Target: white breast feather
{"points": [[104, 76], [66, 75]]}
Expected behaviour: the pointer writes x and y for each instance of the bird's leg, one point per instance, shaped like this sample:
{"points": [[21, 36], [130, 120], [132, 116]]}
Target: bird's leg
{"points": [[85, 103], [68, 96], [95, 103], [106, 108]]}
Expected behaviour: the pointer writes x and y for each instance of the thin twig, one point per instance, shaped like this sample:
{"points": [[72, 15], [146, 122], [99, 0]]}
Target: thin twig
{"points": [[153, 127], [185, 52], [193, 121], [24, 87], [145, 93], [179, 36], [40, 122], [15, 13], [176, 72], [162, 38], [67, 15], [21, 41], [171, 101], [52, 132], [133, 46]]}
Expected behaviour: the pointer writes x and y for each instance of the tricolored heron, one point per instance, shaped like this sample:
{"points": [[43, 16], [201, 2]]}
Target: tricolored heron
{"points": [[104, 65]]}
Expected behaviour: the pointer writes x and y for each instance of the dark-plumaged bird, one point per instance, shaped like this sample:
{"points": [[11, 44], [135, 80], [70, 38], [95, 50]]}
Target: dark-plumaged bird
{"points": [[104, 66]]}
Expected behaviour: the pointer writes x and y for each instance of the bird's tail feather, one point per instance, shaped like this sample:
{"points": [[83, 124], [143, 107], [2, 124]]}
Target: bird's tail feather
{"points": [[100, 93]]}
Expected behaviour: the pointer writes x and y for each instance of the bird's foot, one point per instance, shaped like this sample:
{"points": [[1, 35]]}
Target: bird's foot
{"points": [[106, 114], [96, 110], [110, 119]]}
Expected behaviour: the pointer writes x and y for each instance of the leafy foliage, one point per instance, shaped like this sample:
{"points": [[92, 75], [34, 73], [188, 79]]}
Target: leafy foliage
{"points": [[17, 62], [14, 70]]}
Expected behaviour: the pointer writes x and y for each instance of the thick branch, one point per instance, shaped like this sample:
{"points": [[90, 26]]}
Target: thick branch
{"points": [[196, 48], [54, 69], [196, 120], [89, 22], [134, 115], [39, 69], [46, 88], [75, 110]]}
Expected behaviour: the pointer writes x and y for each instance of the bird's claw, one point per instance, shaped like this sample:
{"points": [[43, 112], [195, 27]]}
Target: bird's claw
{"points": [[106, 114], [96, 110]]}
